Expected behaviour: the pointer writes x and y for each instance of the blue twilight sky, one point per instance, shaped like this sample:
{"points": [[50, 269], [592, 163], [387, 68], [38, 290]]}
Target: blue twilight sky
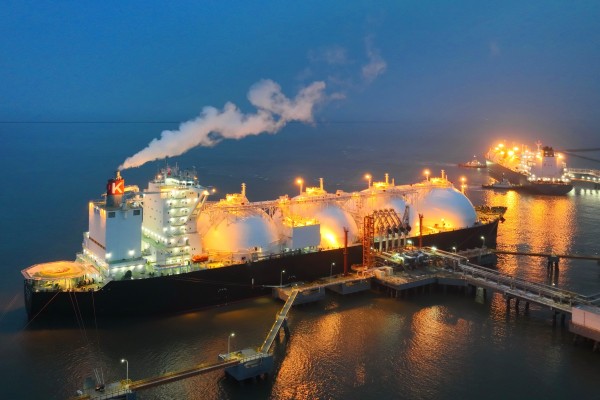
{"points": [[509, 62]]}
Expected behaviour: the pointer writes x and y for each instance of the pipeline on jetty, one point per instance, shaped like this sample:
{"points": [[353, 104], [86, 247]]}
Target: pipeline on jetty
{"points": [[549, 255]]}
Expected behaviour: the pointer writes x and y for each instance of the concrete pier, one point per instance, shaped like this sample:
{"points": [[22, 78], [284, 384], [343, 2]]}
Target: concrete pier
{"points": [[351, 287], [306, 296], [585, 323], [251, 364]]}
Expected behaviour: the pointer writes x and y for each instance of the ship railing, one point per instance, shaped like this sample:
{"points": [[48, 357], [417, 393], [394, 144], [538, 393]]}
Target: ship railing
{"points": [[330, 197], [234, 355], [584, 171], [252, 256], [178, 224], [112, 394], [180, 206]]}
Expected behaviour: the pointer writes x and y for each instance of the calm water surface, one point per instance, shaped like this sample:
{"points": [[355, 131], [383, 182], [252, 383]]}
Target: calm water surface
{"points": [[366, 346]]}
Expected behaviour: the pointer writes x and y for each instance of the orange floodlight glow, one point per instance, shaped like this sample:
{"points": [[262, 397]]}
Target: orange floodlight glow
{"points": [[300, 182]]}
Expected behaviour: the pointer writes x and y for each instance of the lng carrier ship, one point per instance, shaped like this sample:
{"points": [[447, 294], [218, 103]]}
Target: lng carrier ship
{"points": [[170, 249], [539, 172]]}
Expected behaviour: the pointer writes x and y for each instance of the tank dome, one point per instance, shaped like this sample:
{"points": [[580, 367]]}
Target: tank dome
{"points": [[240, 234], [373, 203], [443, 208], [333, 219], [378, 196], [240, 231]]}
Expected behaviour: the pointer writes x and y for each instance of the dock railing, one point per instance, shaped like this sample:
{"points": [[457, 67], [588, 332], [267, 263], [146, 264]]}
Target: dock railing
{"points": [[546, 294], [281, 316]]}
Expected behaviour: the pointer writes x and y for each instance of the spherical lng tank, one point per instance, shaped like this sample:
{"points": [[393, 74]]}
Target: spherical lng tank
{"points": [[332, 218], [239, 233], [443, 208], [379, 200]]}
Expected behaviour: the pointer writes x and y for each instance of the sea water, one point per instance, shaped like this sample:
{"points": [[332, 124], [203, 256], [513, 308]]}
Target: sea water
{"points": [[364, 346]]}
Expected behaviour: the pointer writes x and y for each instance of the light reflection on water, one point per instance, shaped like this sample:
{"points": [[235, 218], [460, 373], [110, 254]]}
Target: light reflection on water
{"points": [[548, 224], [365, 346]]}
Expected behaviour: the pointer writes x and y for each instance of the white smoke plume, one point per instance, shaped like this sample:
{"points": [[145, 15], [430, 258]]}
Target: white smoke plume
{"points": [[274, 111]]}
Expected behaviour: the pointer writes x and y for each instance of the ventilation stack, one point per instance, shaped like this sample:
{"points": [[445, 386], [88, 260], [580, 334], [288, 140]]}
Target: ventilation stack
{"points": [[115, 188]]}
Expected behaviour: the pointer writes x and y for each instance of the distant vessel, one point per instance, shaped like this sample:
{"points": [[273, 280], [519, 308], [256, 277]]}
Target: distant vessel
{"points": [[504, 184], [168, 249], [539, 172], [474, 163]]}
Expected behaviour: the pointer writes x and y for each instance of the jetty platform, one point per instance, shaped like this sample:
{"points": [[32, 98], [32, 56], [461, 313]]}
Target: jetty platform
{"points": [[585, 178]]}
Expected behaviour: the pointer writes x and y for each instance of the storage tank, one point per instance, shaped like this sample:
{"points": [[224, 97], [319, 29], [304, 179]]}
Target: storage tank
{"points": [[241, 233], [381, 200], [379, 196], [442, 208], [333, 219], [231, 228]]}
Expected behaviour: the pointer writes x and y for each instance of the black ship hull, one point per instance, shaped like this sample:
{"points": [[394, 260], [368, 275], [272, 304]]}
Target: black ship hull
{"points": [[217, 286], [499, 172]]}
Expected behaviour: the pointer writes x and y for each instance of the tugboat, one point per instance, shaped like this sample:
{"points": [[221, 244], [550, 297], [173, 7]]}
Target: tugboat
{"points": [[504, 184], [474, 163]]}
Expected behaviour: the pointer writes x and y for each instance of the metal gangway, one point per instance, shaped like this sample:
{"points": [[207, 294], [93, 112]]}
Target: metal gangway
{"points": [[589, 176], [511, 286], [281, 318], [116, 389], [584, 171], [230, 360]]}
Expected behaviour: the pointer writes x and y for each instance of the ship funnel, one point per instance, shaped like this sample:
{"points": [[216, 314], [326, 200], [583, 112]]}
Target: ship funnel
{"points": [[321, 183], [115, 188], [387, 178], [244, 189]]}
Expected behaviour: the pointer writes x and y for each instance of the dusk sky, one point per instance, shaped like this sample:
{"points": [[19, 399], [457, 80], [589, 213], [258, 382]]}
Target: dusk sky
{"points": [[506, 62]]}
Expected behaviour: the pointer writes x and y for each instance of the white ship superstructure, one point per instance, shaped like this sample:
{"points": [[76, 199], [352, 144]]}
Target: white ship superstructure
{"points": [[171, 204], [113, 241], [548, 166]]}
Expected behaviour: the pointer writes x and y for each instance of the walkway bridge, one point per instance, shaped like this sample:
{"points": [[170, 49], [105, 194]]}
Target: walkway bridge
{"points": [[279, 321], [126, 388], [241, 364], [510, 286], [587, 178], [583, 173], [549, 255]]}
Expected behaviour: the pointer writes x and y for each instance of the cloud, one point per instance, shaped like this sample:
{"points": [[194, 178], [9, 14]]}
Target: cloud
{"points": [[376, 64], [274, 111]]}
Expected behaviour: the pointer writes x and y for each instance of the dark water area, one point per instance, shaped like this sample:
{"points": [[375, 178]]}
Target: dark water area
{"points": [[366, 346]]}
